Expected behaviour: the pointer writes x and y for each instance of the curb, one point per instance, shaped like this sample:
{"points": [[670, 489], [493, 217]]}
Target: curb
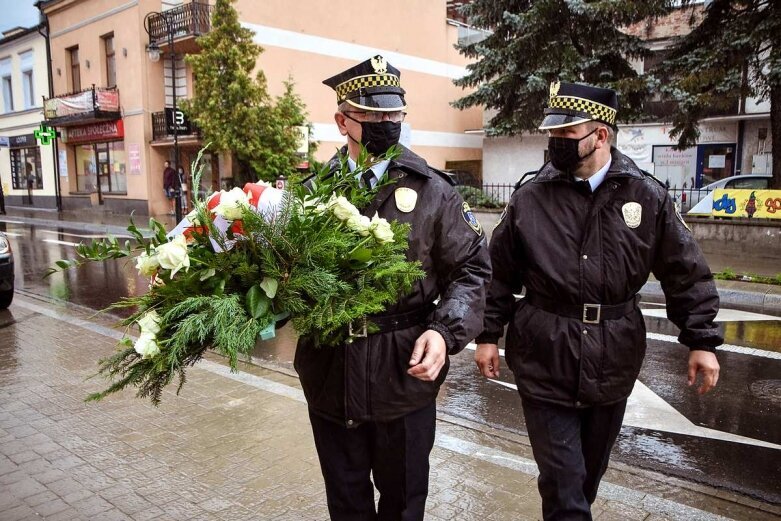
{"points": [[763, 298], [72, 225]]}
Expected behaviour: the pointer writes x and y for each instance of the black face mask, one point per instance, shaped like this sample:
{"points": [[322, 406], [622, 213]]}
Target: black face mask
{"points": [[378, 137], [564, 152]]}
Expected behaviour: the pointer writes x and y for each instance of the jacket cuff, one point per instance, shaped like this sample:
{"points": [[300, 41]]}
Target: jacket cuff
{"points": [[702, 348], [487, 338], [450, 341]]}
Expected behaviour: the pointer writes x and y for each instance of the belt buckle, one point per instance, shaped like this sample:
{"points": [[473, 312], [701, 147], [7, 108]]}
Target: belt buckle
{"points": [[360, 332], [589, 307]]}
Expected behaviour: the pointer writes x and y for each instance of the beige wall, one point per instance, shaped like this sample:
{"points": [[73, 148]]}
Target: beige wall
{"points": [[317, 40], [26, 120]]}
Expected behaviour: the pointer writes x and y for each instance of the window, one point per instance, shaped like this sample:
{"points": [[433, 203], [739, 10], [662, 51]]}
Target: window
{"points": [[28, 88], [748, 184], [111, 65], [73, 54], [26, 168], [6, 85], [102, 163], [8, 95]]}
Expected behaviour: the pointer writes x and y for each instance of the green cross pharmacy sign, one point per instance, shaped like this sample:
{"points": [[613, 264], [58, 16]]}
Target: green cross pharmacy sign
{"points": [[45, 134]]}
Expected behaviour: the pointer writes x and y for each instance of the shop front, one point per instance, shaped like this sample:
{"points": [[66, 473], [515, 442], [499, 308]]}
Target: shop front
{"points": [[26, 170], [100, 160]]}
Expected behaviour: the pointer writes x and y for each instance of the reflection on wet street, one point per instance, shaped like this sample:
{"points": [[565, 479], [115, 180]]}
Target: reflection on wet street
{"points": [[746, 403]]}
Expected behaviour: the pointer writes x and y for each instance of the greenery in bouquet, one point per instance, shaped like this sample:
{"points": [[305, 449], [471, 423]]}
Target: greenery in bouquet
{"points": [[313, 258]]}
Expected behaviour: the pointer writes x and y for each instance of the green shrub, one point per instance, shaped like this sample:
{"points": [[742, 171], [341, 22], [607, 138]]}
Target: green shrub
{"points": [[476, 198]]}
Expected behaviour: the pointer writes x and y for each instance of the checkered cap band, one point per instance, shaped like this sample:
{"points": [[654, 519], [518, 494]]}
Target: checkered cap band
{"points": [[595, 110], [362, 82]]}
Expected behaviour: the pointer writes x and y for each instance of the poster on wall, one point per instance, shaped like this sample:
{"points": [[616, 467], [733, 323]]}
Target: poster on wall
{"points": [[754, 204], [134, 158], [678, 167], [62, 159]]}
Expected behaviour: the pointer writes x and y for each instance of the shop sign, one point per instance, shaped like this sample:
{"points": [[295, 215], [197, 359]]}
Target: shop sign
{"points": [[756, 204], [26, 140], [177, 122], [105, 131]]}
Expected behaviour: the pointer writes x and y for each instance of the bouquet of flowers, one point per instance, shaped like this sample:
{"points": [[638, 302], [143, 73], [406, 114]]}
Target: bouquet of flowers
{"points": [[243, 260]]}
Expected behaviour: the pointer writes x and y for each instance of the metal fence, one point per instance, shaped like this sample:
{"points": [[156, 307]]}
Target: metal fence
{"points": [[687, 198]]}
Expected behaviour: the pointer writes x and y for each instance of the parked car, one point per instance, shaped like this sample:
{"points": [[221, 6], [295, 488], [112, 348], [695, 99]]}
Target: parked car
{"points": [[743, 182], [6, 272]]}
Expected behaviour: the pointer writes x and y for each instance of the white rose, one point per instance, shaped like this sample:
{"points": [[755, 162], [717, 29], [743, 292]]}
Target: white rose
{"points": [[231, 204], [173, 255], [381, 229], [342, 208], [147, 264], [359, 223], [146, 345], [150, 323]]}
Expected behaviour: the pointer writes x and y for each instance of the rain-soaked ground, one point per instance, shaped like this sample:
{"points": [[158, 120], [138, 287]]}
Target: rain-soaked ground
{"points": [[730, 438]]}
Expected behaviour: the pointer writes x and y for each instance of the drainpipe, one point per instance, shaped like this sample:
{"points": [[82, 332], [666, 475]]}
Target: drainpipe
{"points": [[56, 149]]}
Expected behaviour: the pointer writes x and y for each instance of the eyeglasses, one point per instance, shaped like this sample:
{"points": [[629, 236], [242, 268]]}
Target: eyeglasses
{"points": [[372, 116]]}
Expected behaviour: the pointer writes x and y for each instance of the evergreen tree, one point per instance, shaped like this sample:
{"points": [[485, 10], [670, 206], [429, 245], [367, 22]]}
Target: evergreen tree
{"points": [[732, 53], [534, 42], [234, 110]]}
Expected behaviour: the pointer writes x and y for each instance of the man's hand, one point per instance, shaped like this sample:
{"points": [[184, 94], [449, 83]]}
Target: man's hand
{"points": [[487, 360], [703, 362], [430, 346]]}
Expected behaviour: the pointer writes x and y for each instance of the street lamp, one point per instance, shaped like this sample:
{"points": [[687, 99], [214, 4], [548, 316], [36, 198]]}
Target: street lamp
{"points": [[153, 50]]}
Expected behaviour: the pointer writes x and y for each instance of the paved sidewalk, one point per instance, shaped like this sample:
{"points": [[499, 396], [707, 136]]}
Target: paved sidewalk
{"points": [[239, 447]]}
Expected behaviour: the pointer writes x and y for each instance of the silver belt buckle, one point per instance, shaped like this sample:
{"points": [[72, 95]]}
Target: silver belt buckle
{"points": [[586, 308], [360, 332]]}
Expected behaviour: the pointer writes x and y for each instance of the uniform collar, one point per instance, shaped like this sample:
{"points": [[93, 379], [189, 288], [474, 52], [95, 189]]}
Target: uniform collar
{"points": [[378, 169], [620, 166], [596, 179]]}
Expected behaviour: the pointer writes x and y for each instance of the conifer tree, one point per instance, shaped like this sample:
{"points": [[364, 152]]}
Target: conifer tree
{"points": [[534, 42], [734, 52], [233, 109]]}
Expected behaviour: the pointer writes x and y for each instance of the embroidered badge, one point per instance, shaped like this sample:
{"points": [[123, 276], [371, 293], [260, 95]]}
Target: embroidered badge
{"points": [[471, 220], [406, 199], [633, 214]]}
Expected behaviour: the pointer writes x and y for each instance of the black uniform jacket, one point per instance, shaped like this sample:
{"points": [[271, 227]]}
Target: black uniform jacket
{"points": [[572, 248], [367, 380]]}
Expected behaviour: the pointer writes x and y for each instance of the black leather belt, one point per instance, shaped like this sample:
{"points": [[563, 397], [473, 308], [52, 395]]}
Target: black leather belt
{"points": [[587, 313], [385, 323]]}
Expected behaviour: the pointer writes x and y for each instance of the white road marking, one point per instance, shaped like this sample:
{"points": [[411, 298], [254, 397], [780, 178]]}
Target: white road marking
{"points": [[54, 241], [103, 236], [12, 222], [13, 234], [725, 315]]}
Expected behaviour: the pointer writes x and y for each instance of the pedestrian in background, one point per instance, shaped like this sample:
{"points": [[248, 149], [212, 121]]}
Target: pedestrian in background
{"points": [[181, 179], [582, 239], [372, 401], [170, 185]]}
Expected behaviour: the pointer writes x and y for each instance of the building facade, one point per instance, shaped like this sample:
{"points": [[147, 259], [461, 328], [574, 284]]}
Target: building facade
{"points": [[731, 142], [27, 172], [114, 107]]}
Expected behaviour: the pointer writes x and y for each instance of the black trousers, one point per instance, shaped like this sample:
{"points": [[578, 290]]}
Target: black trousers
{"points": [[395, 453], [572, 448]]}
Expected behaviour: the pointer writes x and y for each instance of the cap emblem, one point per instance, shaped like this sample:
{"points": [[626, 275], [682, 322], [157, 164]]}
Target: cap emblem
{"points": [[380, 64]]}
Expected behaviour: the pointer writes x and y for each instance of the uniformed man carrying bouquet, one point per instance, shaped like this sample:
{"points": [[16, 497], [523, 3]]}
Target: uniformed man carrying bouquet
{"points": [[372, 400]]}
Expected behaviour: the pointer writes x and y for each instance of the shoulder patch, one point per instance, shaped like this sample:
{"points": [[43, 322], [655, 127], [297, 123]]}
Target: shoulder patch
{"points": [[470, 219]]}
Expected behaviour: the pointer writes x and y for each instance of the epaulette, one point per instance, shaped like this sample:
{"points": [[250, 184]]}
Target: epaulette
{"points": [[446, 176], [648, 174]]}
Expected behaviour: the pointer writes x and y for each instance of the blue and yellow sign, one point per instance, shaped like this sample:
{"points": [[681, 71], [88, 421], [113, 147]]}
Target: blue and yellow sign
{"points": [[756, 204]]}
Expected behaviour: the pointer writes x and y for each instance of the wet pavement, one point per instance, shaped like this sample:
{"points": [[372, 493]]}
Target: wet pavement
{"points": [[238, 446], [746, 403]]}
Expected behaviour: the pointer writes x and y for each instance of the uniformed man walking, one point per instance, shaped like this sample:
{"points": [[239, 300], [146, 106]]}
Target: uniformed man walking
{"points": [[372, 401], [582, 239]]}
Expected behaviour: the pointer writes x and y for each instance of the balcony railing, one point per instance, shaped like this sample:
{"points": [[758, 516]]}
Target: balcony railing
{"points": [[191, 19], [79, 108], [163, 126], [664, 110]]}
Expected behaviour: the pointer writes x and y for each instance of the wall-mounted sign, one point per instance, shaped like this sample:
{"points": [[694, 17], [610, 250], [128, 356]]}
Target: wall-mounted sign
{"points": [[45, 134], [105, 131], [179, 121], [23, 141], [756, 204], [134, 158]]}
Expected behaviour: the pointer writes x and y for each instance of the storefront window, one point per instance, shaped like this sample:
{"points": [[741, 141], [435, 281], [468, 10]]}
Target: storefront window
{"points": [[26, 169], [86, 180], [104, 162]]}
